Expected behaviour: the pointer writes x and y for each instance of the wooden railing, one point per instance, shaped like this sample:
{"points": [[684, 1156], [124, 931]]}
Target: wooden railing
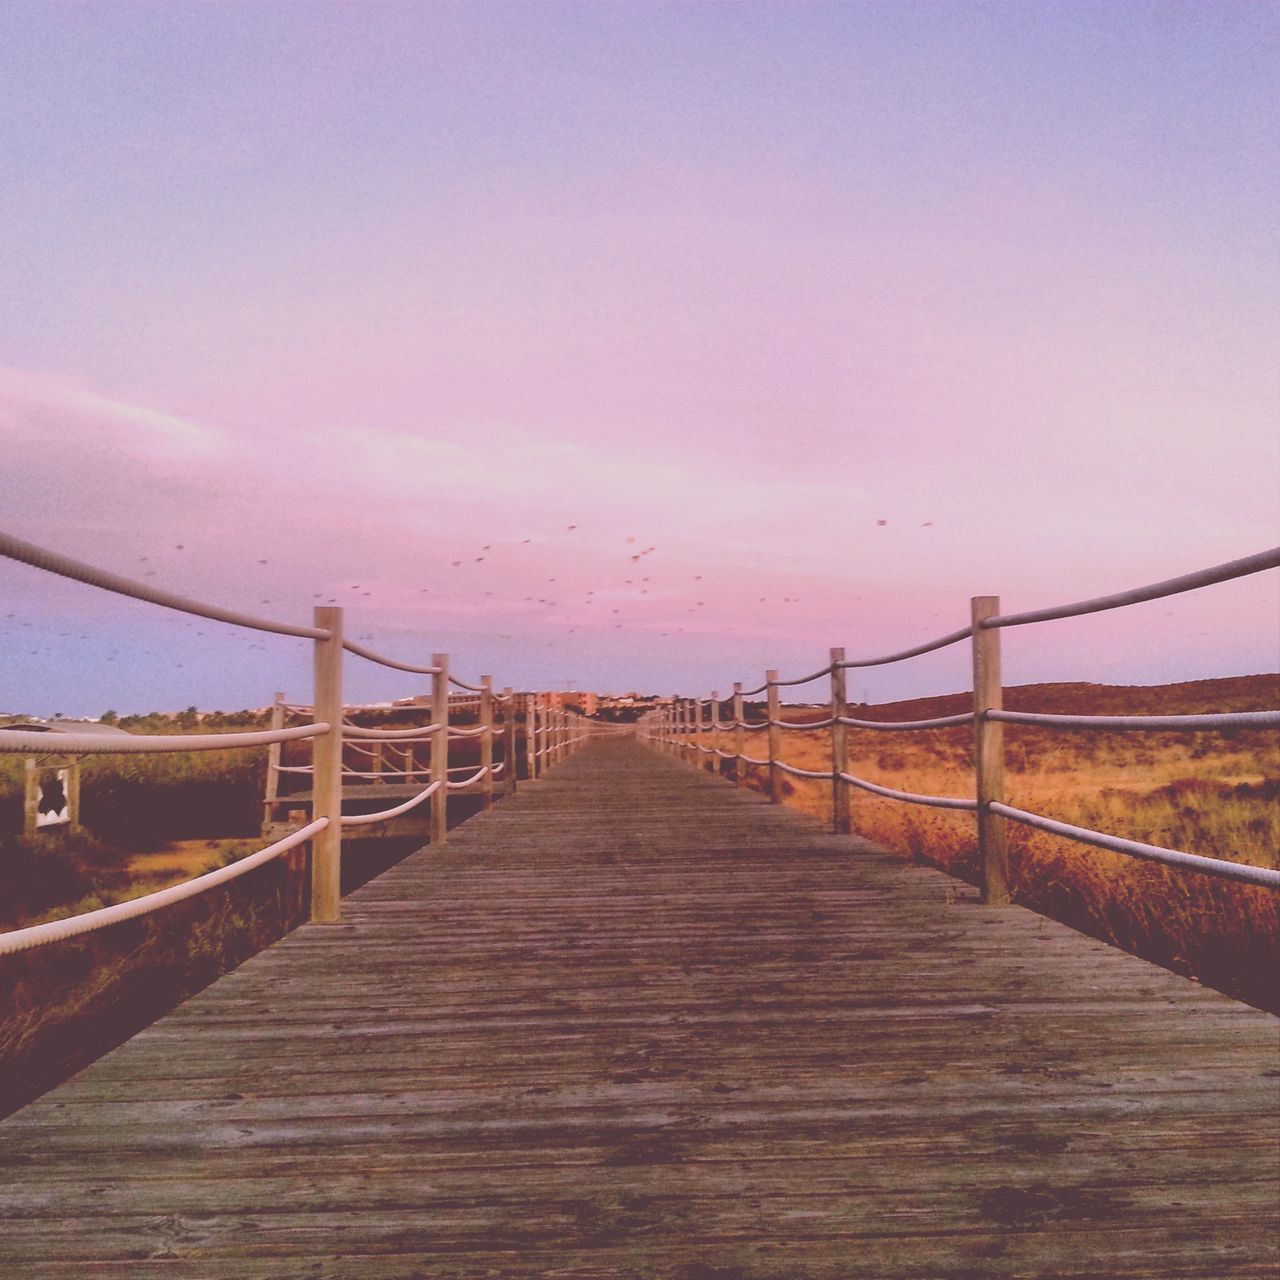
{"points": [[551, 734], [679, 725]]}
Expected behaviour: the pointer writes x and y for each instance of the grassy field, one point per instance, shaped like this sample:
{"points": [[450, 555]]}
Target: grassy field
{"points": [[1209, 793]]}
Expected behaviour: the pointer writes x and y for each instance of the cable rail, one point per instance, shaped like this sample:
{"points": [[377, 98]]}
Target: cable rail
{"points": [[37, 935], [361, 652], [1241, 568], [27, 742], [680, 725], [65, 567], [546, 735], [385, 815]]}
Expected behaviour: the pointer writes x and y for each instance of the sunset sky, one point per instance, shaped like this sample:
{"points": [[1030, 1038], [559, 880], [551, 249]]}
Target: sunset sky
{"points": [[832, 315]]}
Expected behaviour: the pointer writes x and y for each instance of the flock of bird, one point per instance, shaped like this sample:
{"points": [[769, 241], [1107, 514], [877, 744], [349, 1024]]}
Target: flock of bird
{"points": [[616, 595]]}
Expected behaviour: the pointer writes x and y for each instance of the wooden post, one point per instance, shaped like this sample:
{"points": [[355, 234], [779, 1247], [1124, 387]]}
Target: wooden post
{"points": [[775, 738], [713, 717], [739, 736], [527, 699], [486, 739], [509, 741], [408, 763], [988, 751], [272, 789], [841, 823], [378, 764], [30, 796], [326, 777], [440, 747], [73, 794]]}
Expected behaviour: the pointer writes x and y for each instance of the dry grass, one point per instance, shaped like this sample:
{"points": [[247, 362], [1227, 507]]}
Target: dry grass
{"points": [[1213, 794]]}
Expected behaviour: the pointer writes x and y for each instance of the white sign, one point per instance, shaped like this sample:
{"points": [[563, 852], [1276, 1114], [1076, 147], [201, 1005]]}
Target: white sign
{"points": [[53, 810]]}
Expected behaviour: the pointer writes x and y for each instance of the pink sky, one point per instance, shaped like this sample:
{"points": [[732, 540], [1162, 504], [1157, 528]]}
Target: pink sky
{"points": [[362, 291]]}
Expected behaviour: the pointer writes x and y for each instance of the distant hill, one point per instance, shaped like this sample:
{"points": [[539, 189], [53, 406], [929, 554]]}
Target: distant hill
{"points": [[1191, 697]]}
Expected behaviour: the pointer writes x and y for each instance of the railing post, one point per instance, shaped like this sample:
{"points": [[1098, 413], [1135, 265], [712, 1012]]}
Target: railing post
{"points": [[272, 789], [486, 739], [536, 721], [840, 820], [440, 747], [326, 771], [739, 735], [988, 751], [682, 727], [73, 795], [530, 734], [509, 741], [713, 715], [30, 796], [775, 738]]}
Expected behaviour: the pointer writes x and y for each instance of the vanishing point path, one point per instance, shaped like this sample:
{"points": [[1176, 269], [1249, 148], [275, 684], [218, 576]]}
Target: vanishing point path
{"points": [[637, 1023]]}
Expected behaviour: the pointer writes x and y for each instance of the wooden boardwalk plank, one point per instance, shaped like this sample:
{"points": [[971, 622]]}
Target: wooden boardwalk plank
{"points": [[637, 1023]]}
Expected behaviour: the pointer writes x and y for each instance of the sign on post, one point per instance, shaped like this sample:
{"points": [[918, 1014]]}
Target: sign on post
{"points": [[54, 807]]}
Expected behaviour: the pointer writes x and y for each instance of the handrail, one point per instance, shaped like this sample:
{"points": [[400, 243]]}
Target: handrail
{"points": [[938, 722], [361, 652], [942, 642], [817, 675], [390, 735], [1212, 720], [680, 728], [911, 797], [27, 742], [331, 733], [365, 819], [797, 772], [37, 935], [1243, 872], [471, 781], [1138, 595], [78, 571]]}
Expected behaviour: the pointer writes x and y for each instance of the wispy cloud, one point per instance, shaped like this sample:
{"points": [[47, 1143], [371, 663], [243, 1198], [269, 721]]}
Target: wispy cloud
{"points": [[34, 406]]}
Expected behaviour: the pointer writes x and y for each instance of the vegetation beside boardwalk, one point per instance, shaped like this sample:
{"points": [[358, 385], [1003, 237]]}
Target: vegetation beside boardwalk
{"points": [[1209, 793], [63, 1005]]}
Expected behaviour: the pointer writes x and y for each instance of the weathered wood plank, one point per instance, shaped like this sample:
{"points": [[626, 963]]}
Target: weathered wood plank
{"points": [[636, 1022]]}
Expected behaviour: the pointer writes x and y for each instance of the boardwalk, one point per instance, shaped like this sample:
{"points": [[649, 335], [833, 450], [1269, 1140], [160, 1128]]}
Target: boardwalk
{"points": [[636, 1023]]}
